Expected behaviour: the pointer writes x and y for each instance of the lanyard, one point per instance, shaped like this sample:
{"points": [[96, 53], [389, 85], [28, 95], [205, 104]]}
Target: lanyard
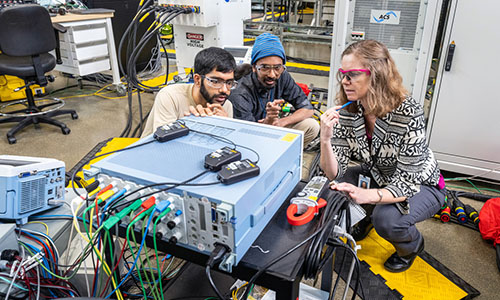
{"points": [[263, 104]]}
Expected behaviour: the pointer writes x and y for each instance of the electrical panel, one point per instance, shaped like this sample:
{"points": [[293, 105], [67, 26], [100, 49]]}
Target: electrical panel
{"points": [[199, 216], [214, 23]]}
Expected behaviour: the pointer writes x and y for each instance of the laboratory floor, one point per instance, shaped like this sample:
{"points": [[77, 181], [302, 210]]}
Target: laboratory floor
{"points": [[460, 249]]}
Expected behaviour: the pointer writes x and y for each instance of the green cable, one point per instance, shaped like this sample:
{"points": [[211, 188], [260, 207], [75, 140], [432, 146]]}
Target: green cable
{"points": [[160, 274], [85, 220], [147, 212], [102, 250], [139, 264], [251, 289], [153, 291], [43, 266], [471, 188], [107, 238], [55, 275], [473, 185]]}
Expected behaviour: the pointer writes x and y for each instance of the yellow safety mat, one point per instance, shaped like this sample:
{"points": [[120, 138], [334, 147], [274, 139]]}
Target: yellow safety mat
{"points": [[112, 145], [421, 281]]}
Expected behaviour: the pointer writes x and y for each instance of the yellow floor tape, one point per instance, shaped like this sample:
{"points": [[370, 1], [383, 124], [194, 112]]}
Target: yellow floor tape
{"points": [[288, 64], [421, 281], [160, 80]]}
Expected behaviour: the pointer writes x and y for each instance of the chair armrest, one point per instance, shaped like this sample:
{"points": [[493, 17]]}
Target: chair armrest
{"points": [[58, 28]]}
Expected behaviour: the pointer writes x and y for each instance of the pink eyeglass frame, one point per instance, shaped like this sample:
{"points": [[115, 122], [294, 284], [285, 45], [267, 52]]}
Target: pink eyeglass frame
{"points": [[354, 70]]}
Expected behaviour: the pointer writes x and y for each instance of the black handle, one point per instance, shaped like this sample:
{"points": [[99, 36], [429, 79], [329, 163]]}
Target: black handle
{"points": [[498, 256], [449, 59]]}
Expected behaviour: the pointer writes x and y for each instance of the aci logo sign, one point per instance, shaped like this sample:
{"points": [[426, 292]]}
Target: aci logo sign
{"points": [[385, 17]]}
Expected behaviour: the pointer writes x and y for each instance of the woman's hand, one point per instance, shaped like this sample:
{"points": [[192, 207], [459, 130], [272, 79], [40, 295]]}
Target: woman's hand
{"points": [[359, 195], [328, 119]]}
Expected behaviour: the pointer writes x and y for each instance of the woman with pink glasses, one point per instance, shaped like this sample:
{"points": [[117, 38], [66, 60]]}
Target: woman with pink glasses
{"points": [[398, 180]]}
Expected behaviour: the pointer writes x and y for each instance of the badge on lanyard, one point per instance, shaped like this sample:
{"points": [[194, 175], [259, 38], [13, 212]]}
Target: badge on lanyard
{"points": [[364, 181]]}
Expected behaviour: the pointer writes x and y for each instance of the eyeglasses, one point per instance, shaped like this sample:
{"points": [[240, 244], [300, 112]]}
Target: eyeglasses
{"points": [[351, 74], [267, 68], [217, 83]]}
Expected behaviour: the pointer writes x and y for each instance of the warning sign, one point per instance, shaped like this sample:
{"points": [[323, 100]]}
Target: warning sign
{"points": [[195, 40]]}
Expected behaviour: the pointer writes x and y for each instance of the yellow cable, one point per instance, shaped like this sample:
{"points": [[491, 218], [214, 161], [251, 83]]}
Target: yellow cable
{"points": [[105, 265], [144, 17], [104, 196], [94, 192], [38, 222], [235, 292]]}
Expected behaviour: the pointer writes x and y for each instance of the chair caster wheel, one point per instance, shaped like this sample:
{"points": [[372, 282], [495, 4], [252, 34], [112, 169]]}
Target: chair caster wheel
{"points": [[74, 116], [11, 139], [65, 130]]}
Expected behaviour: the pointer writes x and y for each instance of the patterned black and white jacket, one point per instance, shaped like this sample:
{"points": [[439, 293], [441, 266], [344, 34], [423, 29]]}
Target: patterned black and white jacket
{"points": [[399, 158]]}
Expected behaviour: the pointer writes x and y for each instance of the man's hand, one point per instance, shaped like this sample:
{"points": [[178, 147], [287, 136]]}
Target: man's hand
{"points": [[273, 110], [210, 110], [198, 111], [217, 110]]}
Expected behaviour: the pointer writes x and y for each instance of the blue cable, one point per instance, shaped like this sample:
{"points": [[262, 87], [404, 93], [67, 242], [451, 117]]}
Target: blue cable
{"points": [[53, 243], [44, 259], [136, 258], [36, 250]]}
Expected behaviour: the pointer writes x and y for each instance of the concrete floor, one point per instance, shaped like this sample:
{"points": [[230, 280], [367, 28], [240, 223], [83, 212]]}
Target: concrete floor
{"points": [[460, 249]]}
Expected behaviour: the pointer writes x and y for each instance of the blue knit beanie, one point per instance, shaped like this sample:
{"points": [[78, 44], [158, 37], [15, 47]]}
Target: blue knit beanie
{"points": [[266, 45]]}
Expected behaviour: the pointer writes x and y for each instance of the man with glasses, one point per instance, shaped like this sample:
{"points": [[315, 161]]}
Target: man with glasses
{"points": [[213, 81], [260, 95]]}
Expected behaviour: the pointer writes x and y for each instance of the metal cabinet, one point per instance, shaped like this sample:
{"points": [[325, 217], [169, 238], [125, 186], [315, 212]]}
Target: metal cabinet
{"points": [[84, 47], [464, 122]]}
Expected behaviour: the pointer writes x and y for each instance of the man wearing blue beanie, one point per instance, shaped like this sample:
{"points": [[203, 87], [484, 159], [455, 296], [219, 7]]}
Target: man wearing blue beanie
{"points": [[260, 94]]}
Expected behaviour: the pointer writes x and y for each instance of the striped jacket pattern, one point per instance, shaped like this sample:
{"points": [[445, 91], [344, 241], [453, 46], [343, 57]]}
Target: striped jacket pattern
{"points": [[399, 158]]}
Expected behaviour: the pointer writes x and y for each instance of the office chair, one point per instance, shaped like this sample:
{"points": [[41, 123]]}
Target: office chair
{"points": [[26, 37]]}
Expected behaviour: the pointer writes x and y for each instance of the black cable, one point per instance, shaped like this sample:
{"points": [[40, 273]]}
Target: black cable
{"points": [[216, 256], [100, 155], [226, 140], [173, 185], [473, 196], [334, 242], [141, 124], [167, 71], [126, 130], [136, 129], [214, 287], [329, 218], [337, 280], [315, 258], [268, 265]]}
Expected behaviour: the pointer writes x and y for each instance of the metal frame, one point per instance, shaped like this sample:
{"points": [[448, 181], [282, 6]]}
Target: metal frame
{"points": [[343, 19]]}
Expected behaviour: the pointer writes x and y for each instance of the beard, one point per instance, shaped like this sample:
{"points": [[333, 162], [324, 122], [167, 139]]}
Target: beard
{"points": [[206, 95], [266, 82]]}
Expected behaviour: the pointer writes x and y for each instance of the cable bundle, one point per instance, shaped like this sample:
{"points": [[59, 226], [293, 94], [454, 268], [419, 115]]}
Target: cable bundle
{"points": [[134, 47], [326, 234]]}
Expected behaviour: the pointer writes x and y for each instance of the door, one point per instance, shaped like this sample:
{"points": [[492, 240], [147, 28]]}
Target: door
{"points": [[464, 124]]}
